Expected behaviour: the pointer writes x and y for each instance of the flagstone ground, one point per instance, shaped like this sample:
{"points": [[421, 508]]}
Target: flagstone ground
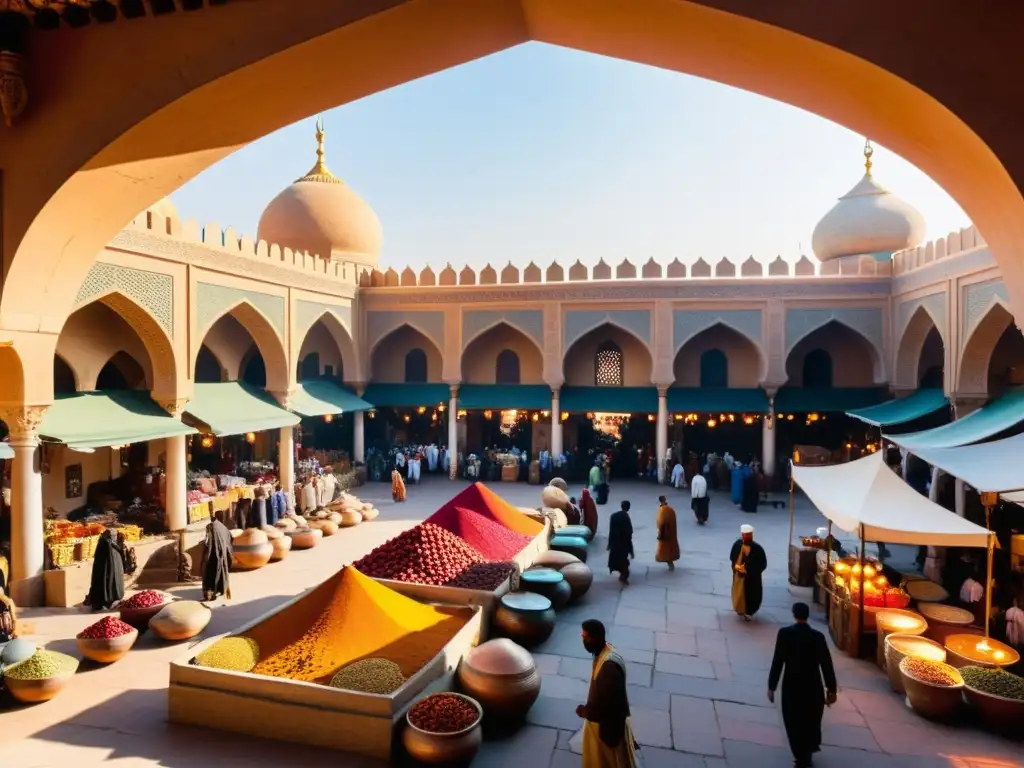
{"points": [[697, 675]]}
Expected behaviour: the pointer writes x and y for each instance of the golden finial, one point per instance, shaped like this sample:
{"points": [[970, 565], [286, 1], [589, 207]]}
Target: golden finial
{"points": [[868, 152], [320, 172]]}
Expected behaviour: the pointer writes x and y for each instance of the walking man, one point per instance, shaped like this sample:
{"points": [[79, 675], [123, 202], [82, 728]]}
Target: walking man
{"points": [[802, 659], [607, 736], [620, 543], [668, 541], [699, 501], [748, 563]]}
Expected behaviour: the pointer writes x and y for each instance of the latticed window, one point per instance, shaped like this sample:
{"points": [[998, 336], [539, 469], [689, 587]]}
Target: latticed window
{"points": [[608, 365]]}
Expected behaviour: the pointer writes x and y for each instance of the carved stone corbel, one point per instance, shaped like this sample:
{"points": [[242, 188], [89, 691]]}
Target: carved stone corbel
{"points": [[23, 421]]}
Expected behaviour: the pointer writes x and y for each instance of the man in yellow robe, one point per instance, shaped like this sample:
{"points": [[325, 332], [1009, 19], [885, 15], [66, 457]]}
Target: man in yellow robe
{"points": [[607, 736], [668, 539]]}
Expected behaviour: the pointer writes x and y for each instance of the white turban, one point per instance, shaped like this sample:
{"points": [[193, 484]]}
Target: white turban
{"points": [[746, 529]]}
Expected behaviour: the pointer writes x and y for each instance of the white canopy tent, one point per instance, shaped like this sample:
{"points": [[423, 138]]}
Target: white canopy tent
{"points": [[995, 467], [868, 498]]}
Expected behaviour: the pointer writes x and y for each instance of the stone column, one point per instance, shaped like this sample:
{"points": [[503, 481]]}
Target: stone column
{"points": [[661, 441], [960, 492], [358, 438], [933, 491], [768, 440], [26, 505], [556, 424], [453, 432], [176, 486], [286, 463]]}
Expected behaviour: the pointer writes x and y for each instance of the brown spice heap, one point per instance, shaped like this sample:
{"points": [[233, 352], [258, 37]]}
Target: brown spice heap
{"points": [[931, 672]]}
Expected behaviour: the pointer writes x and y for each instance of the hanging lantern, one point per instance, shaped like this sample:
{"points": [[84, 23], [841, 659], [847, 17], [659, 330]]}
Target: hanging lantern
{"points": [[789, 417], [372, 414], [565, 416], [712, 423], [328, 417], [812, 417], [748, 420], [421, 410], [488, 414], [440, 408], [207, 441], [679, 417], [460, 414], [250, 437], [536, 417], [433, 416], [406, 418], [650, 417]]}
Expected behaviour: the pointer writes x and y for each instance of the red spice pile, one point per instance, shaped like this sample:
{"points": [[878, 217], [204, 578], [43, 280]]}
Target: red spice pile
{"points": [[443, 713], [106, 628], [491, 539], [424, 554], [145, 599]]}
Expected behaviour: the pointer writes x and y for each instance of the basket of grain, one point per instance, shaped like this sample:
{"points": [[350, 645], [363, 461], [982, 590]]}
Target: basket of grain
{"points": [[944, 620], [934, 689], [899, 646], [997, 697]]}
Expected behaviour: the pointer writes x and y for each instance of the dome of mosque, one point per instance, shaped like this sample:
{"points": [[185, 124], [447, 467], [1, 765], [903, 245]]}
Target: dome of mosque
{"points": [[321, 214], [869, 219]]}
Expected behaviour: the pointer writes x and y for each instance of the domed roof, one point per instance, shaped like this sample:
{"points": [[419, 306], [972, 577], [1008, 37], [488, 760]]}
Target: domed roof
{"points": [[321, 214], [868, 219]]}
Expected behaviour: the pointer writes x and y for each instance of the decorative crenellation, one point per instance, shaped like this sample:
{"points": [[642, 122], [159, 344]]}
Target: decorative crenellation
{"points": [[953, 244], [749, 269]]}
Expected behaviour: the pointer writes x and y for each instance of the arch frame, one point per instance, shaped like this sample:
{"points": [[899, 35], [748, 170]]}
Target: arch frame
{"points": [[343, 340], [979, 346], [762, 357], [910, 347], [280, 378], [487, 329], [405, 324], [877, 355], [611, 322]]}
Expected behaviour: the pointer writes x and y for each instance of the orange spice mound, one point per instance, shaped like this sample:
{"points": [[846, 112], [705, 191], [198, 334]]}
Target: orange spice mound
{"points": [[348, 618], [482, 500]]}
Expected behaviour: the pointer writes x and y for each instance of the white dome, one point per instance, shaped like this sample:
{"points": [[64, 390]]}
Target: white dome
{"points": [[321, 214], [868, 219]]}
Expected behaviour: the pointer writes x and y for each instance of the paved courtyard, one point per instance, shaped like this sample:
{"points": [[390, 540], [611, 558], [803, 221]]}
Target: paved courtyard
{"points": [[697, 675]]}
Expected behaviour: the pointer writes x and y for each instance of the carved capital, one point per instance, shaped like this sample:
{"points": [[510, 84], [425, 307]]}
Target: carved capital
{"points": [[453, 389], [662, 390], [23, 420], [174, 406], [284, 398]]}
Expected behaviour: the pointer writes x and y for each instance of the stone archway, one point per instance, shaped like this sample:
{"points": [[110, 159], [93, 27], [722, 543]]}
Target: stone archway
{"points": [[61, 207], [330, 340], [865, 368], [260, 332], [973, 369], [388, 357], [744, 362], [481, 356], [910, 351]]}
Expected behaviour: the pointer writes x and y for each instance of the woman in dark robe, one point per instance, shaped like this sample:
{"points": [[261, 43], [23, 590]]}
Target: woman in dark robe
{"points": [[620, 543], [573, 514], [750, 491], [589, 507], [107, 585], [218, 555]]}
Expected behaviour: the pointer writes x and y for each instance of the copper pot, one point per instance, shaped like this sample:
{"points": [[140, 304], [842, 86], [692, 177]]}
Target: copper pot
{"points": [[444, 748], [579, 577], [526, 618], [503, 677]]}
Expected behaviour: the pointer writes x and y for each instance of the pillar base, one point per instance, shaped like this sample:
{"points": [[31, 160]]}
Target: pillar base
{"points": [[30, 592]]}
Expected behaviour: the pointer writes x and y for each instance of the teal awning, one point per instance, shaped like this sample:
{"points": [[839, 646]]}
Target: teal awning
{"points": [[407, 395], [609, 399], [998, 416], [319, 397], [716, 400], [826, 399], [234, 408], [904, 409], [89, 420], [532, 397], [6, 452]]}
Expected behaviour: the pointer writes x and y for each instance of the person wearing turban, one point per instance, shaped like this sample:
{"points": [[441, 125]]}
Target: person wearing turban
{"points": [[748, 563]]}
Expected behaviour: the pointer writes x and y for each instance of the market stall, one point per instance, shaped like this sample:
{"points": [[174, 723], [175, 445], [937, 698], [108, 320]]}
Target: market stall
{"points": [[903, 410], [998, 416]]}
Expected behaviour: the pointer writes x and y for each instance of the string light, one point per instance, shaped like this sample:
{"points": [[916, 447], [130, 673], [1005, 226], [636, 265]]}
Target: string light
{"points": [[328, 417], [712, 423], [250, 437], [565, 416], [207, 441], [748, 420]]}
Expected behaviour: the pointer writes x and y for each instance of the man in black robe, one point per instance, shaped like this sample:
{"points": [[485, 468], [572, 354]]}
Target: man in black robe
{"points": [[802, 659], [748, 563], [620, 543], [106, 586], [750, 492], [219, 553]]}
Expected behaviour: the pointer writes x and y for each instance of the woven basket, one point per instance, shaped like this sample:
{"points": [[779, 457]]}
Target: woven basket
{"points": [[85, 549], [62, 553]]}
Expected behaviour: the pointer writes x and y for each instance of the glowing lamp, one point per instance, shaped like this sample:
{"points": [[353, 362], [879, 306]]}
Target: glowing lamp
{"points": [[565, 416], [440, 408], [712, 423], [207, 441], [372, 414], [250, 437], [421, 410], [536, 417], [679, 417], [488, 414], [789, 417], [812, 417], [406, 418], [328, 417], [461, 414], [781, 416], [869, 571], [545, 414], [650, 417], [433, 416], [849, 446], [748, 420], [590, 416]]}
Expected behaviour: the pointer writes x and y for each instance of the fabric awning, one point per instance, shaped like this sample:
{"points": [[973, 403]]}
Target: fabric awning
{"points": [[826, 399], [994, 467], [609, 399], [319, 397], [996, 417], [407, 395], [866, 493], [716, 400], [904, 409], [89, 420], [234, 408], [534, 397], [6, 452]]}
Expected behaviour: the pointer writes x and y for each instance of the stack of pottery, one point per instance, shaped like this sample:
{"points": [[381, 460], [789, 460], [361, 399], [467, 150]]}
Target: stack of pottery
{"points": [[304, 538], [286, 524], [549, 583], [503, 677], [573, 545], [252, 549], [180, 620], [577, 530], [525, 617], [326, 527], [282, 544]]}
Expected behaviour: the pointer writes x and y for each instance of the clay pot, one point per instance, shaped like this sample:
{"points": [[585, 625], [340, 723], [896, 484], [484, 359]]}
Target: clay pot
{"points": [[503, 677], [106, 650], [304, 538], [579, 577], [36, 691], [369, 514], [272, 532], [285, 524], [896, 621], [525, 617], [549, 583], [236, 532], [554, 497], [181, 620], [944, 620], [574, 545], [997, 713], [335, 517], [139, 617], [932, 701], [556, 560], [326, 527], [898, 647], [443, 748], [559, 483], [350, 518], [282, 547], [251, 550], [577, 530]]}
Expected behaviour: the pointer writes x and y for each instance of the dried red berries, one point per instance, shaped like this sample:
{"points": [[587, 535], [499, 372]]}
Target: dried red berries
{"points": [[443, 713], [424, 554], [106, 628], [145, 599], [484, 576]]}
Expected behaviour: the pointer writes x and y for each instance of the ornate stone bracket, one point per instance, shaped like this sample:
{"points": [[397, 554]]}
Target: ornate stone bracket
{"points": [[284, 398], [23, 421], [174, 406]]}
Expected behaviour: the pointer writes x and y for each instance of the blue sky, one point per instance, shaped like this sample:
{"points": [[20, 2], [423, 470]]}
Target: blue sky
{"points": [[540, 152]]}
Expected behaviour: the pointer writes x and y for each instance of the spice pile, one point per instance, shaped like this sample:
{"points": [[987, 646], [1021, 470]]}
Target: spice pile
{"points": [[995, 681], [443, 713], [425, 554], [484, 576], [931, 672], [491, 539], [106, 628], [237, 654], [41, 665], [145, 599], [482, 500], [369, 676]]}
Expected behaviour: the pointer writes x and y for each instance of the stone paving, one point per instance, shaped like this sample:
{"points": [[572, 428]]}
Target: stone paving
{"points": [[697, 674]]}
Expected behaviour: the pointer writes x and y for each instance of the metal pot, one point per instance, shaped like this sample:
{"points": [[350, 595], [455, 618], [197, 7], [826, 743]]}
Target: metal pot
{"points": [[549, 583], [526, 618], [579, 577], [503, 677], [444, 748], [573, 545]]}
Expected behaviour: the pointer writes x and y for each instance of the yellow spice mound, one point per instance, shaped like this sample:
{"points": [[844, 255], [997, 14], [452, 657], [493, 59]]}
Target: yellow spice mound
{"points": [[347, 618]]}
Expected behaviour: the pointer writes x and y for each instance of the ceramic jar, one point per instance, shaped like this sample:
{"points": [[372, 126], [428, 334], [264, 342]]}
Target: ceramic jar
{"points": [[937, 702], [554, 559], [251, 550], [579, 577], [350, 517], [326, 527], [304, 538], [577, 530], [503, 677], [335, 517], [898, 647], [549, 583], [106, 650], [573, 545], [525, 618], [180, 620], [285, 524], [457, 748], [282, 547]]}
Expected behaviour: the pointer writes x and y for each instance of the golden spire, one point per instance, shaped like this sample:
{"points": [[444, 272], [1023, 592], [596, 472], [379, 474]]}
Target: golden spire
{"points": [[868, 152], [320, 172]]}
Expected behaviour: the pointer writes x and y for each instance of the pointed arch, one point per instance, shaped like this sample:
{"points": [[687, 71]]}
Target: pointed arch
{"points": [[501, 321], [481, 356], [805, 340], [121, 371], [65, 378], [263, 334], [208, 368], [387, 356], [909, 349], [579, 359], [746, 365], [341, 340], [977, 350]]}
